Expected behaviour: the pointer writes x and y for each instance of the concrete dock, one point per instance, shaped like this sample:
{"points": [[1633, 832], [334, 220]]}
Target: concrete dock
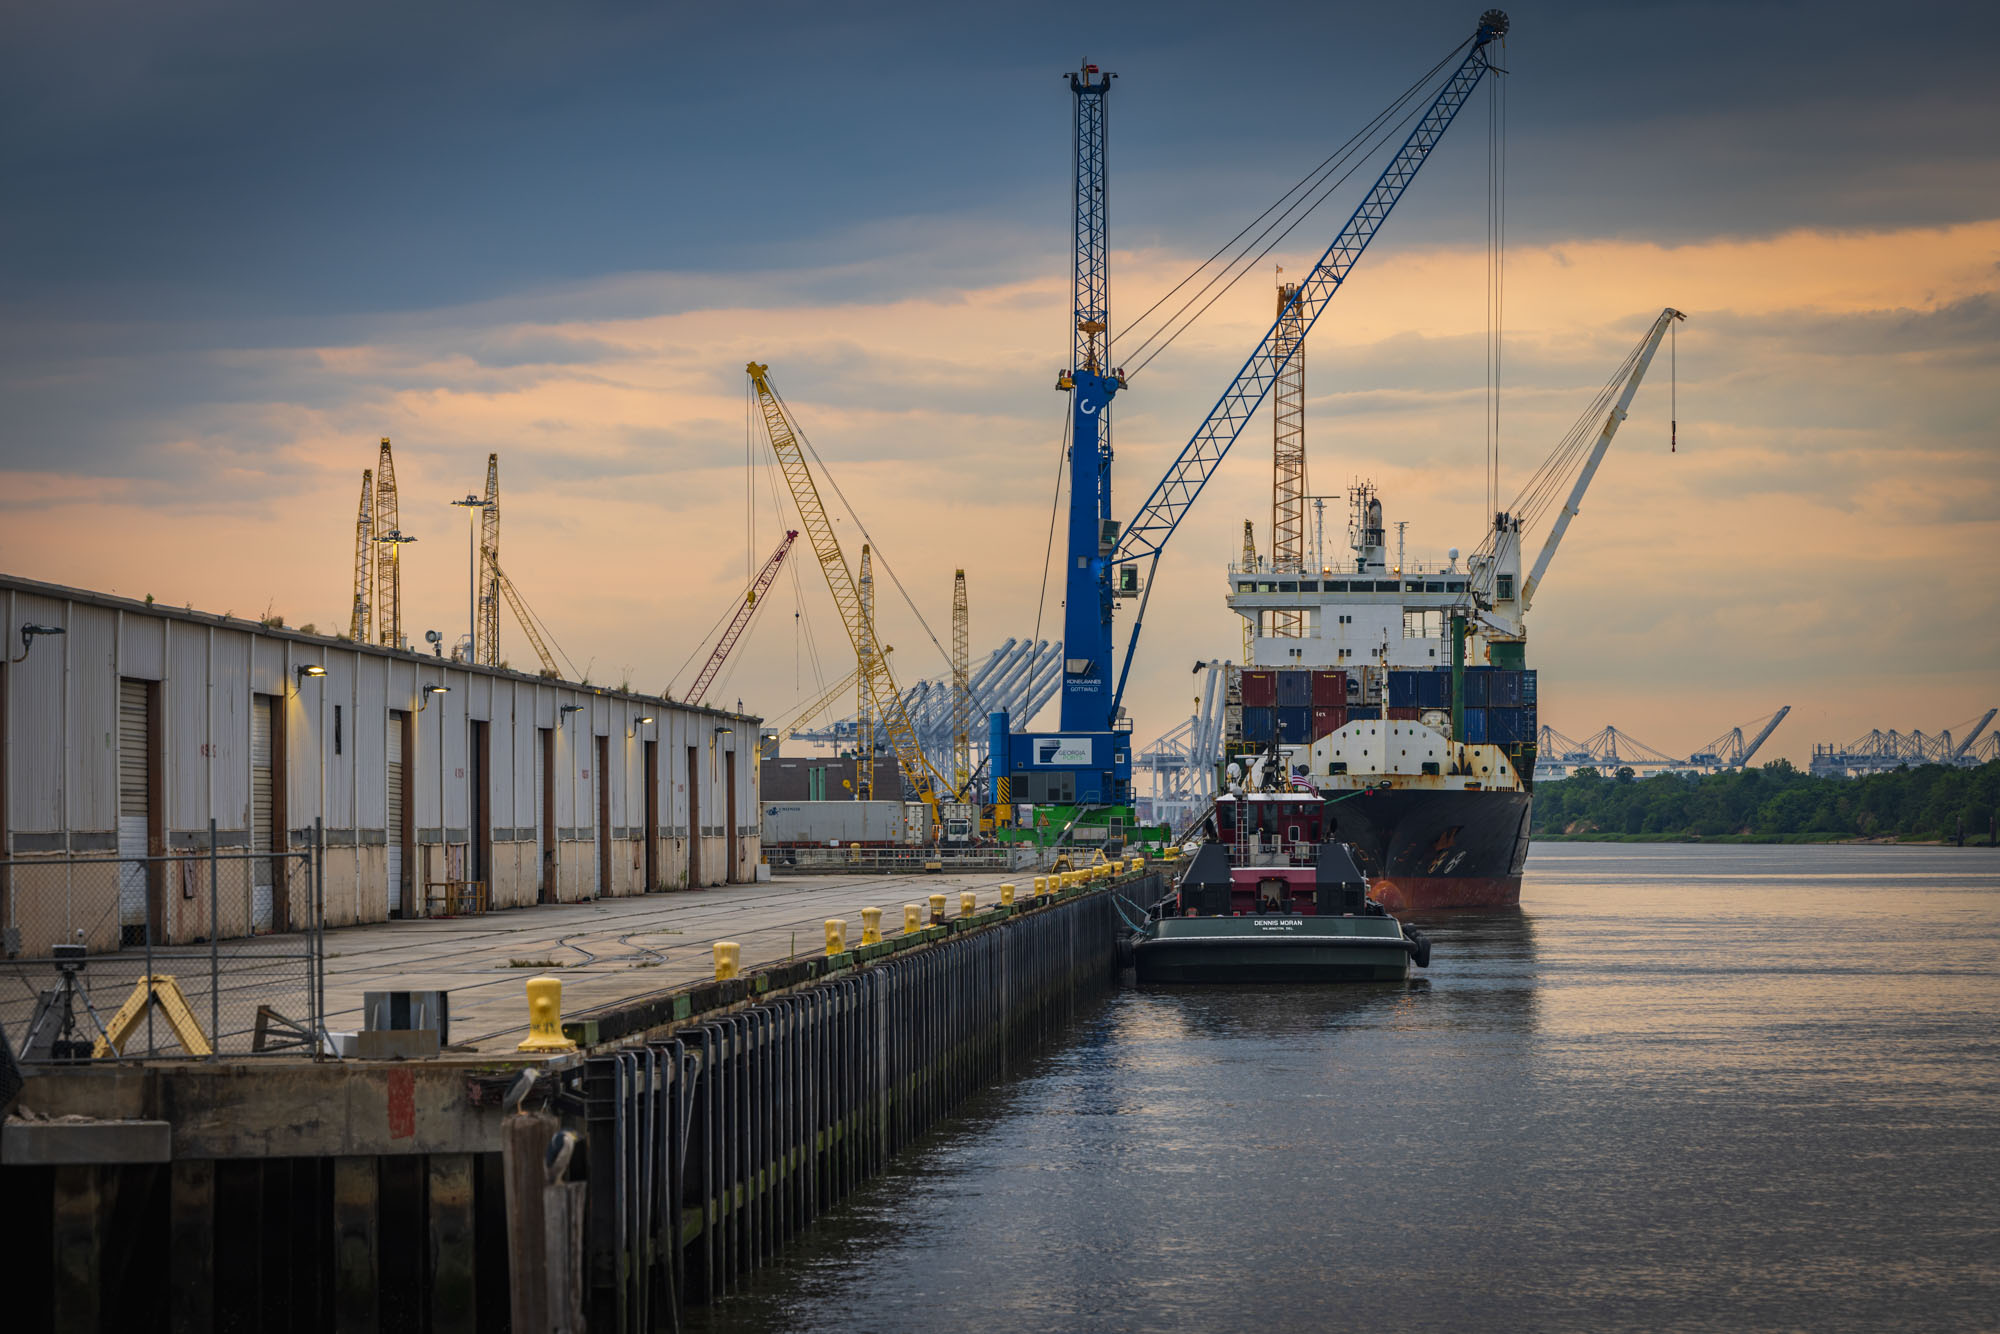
{"points": [[614, 950]]}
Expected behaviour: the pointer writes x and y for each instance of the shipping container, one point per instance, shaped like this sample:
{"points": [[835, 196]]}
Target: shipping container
{"points": [[1329, 689], [1402, 690], [826, 822], [1328, 720], [1528, 687], [1295, 725], [1361, 711], [1232, 720], [1477, 687], [1504, 727], [1295, 690], [1504, 690], [1260, 722], [1475, 727], [1434, 689], [1260, 689], [1405, 712]]}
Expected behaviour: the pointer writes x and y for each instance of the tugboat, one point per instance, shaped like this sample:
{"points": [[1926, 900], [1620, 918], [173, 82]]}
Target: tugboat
{"points": [[1266, 900]]}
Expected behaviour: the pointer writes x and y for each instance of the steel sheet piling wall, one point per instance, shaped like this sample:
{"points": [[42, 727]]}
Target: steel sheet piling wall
{"points": [[709, 1151]]}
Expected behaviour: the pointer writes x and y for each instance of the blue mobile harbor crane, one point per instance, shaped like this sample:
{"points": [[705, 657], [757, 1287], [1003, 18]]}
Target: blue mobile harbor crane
{"points": [[1089, 762]]}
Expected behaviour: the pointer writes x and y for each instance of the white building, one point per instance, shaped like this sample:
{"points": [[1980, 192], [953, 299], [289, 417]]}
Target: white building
{"points": [[139, 724]]}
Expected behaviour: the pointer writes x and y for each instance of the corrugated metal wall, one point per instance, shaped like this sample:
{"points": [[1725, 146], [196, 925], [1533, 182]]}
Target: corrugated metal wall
{"points": [[63, 770]]}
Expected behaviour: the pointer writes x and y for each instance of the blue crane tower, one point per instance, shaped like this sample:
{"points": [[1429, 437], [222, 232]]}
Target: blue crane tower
{"points": [[1089, 761]]}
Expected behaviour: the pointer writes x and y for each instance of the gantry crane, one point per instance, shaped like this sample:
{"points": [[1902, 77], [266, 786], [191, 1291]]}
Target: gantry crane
{"points": [[489, 581], [745, 609], [1103, 564], [389, 542], [961, 689], [889, 712], [364, 559], [1288, 454]]}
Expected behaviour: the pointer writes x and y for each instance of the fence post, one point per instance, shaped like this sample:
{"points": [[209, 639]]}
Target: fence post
{"points": [[316, 969], [214, 952], [146, 871]]}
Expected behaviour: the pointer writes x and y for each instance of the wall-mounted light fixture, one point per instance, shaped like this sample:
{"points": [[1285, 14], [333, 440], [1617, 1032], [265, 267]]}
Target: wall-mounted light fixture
{"points": [[28, 633], [638, 723], [563, 713], [306, 669], [429, 692]]}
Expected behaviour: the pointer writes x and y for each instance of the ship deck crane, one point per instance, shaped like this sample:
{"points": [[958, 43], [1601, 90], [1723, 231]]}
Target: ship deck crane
{"points": [[889, 714], [738, 623]]}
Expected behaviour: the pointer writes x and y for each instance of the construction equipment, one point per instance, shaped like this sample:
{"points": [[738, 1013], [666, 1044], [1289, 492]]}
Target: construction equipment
{"points": [[889, 712], [489, 581], [1092, 755], [745, 609], [389, 540], [864, 731], [961, 690], [1250, 627], [364, 560], [1288, 455], [816, 707], [506, 589]]}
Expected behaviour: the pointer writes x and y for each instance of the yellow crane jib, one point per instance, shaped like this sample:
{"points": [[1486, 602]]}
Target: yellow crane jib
{"points": [[890, 716]]}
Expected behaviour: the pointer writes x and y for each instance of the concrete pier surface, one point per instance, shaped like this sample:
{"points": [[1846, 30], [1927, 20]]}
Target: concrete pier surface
{"points": [[615, 949]]}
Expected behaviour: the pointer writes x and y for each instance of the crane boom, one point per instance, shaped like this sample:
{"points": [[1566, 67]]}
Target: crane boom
{"points": [[961, 689], [513, 596], [388, 555], [489, 586], [1965, 746], [1147, 535], [1743, 760], [741, 619], [890, 714], [364, 559], [1642, 358], [1288, 457]]}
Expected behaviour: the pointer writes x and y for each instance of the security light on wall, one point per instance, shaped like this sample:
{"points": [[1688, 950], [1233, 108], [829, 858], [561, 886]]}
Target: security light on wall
{"points": [[638, 723], [428, 693], [563, 713], [306, 669], [28, 633]]}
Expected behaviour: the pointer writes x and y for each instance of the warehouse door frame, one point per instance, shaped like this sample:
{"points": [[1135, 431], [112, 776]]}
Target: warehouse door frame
{"points": [[402, 837], [729, 805], [545, 817], [652, 773], [479, 791], [694, 817], [603, 816]]}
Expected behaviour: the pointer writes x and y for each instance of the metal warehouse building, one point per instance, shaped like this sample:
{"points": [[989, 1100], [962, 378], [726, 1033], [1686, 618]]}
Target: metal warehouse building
{"points": [[139, 724]]}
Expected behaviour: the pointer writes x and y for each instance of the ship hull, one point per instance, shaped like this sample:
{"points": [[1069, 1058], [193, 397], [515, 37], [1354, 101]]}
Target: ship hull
{"points": [[1272, 949], [1425, 849]]}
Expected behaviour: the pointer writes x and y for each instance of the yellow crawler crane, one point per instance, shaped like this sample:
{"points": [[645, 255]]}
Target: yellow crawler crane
{"points": [[364, 559], [889, 714], [505, 588], [864, 717], [961, 690], [388, 552]]}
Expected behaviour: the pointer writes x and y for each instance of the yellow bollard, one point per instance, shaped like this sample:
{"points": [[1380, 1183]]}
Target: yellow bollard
{"points": [[728, 957], [545, 1016], [1041, 886], [871, 926], [836, 936], [913, 918], [937, 909], [968, 904], [1006, 896]]}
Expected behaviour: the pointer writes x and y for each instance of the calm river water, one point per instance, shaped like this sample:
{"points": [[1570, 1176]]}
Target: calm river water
{"points": [[1683, 1088]]}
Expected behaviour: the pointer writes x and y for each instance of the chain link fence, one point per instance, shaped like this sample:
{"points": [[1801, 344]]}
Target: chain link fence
{"points": [[202, 953]]}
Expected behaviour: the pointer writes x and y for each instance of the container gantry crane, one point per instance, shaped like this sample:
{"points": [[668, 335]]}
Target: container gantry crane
{"points": [[889, 712], [1094, 747], [745, 609]]}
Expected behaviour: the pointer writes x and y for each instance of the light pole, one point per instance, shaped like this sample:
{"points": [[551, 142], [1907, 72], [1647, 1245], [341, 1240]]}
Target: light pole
{"points": [[472, 505]]}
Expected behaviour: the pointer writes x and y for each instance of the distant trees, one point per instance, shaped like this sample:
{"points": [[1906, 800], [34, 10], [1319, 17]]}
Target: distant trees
{"points": [[1774, 801]]}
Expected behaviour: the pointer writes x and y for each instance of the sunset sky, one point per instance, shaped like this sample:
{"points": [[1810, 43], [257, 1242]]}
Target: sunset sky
{"points": [[243, 242]]}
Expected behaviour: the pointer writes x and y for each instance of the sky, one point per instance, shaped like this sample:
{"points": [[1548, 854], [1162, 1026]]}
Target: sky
{"points": [[244, 242]]}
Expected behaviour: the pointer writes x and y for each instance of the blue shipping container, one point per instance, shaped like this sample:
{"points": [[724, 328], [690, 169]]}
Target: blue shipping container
{"points": [[1475, 727], [1504, 727], [1527, 687], [1295, 690], [1364, 711], [1434, 689], [1260, 721], [1476, 687], [1504, 691], [1295, 725], [1403, 690]]}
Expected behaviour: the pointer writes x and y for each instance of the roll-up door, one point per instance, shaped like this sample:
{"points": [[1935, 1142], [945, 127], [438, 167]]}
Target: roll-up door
{"points": [[262, 844], [394, 826], [135, 785]]}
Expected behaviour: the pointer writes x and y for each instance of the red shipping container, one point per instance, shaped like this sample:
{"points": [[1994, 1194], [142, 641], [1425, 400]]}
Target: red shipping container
{"points": [[1407, 712], [1327, 721], [1329, 690], [1260, 690]]}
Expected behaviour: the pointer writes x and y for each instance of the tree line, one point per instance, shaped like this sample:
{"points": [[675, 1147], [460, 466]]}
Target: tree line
{"points": [[1775, 801]]}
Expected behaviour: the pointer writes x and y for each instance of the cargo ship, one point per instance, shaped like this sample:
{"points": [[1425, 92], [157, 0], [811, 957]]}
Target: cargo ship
{"points": [[1396, 692]]}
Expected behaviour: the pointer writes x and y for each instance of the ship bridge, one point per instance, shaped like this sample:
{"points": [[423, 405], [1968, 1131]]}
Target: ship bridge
{"points": [[1373, 618]]}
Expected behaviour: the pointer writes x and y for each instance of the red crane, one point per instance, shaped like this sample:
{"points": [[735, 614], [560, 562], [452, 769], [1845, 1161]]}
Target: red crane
{"points": [[741, 620]]}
